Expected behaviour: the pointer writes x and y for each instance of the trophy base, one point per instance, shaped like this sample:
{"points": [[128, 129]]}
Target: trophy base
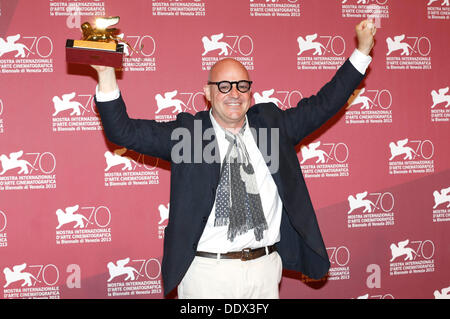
{"points": [[94, 53]]}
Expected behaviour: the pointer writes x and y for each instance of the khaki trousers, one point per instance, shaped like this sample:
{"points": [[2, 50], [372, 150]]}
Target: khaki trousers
{"points": [[209, 278]]}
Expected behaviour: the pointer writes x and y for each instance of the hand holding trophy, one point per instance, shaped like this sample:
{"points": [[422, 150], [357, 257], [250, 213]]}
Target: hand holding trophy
{"points": [[99, 45]]}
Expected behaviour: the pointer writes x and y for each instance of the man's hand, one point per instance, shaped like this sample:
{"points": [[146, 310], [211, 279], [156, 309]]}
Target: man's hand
{"points": [[365, 32], [106, 78]]}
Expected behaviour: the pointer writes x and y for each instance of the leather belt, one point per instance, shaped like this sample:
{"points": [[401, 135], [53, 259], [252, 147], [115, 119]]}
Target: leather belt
{"points": [[244, 254]]}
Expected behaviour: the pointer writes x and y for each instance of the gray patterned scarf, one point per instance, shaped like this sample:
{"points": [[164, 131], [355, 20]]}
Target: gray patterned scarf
{"points": [[238, 203]]}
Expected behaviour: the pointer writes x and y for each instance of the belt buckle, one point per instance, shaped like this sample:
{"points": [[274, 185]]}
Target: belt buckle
{"points": [[245, 254]]}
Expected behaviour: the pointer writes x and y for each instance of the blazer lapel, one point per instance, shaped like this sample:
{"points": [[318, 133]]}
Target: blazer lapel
{"points": [[210, 147], [263, 138]]}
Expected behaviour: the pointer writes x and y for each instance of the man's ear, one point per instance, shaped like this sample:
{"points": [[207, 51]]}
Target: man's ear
{"points": [[207, 91]]}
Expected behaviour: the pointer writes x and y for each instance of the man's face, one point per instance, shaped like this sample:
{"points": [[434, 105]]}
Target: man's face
{"points": [[228, 109]]}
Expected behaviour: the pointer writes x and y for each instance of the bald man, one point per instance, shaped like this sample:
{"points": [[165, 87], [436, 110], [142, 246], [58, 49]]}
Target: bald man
{"points": [[240, 211]]}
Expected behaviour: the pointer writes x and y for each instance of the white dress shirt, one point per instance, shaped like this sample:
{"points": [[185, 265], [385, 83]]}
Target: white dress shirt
{"points": [[214, 239]]}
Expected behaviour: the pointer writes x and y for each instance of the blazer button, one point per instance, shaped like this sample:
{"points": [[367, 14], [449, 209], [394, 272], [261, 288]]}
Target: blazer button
{"points": [[213, 192], [205, 219], [194, 246]]}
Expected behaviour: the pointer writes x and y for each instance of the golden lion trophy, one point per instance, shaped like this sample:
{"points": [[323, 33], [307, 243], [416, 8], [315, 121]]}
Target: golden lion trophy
{"points": [[99, 45]]}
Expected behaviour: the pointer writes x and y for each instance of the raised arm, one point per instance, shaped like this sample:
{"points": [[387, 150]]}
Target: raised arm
{"points": [[365, 33], [143, 136], [313, 112], [106, 79]]}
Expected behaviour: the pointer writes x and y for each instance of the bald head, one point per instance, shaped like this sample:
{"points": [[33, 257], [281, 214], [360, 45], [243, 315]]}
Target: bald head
{"points": [[228, 108], [228, 67]]}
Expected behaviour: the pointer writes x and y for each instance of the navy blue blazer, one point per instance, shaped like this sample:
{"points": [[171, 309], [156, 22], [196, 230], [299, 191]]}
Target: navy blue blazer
{"points": [[193, 185]]}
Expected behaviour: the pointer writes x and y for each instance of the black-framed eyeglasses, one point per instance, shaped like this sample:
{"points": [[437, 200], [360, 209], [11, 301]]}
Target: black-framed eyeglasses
{"points": [[242, 86]]}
